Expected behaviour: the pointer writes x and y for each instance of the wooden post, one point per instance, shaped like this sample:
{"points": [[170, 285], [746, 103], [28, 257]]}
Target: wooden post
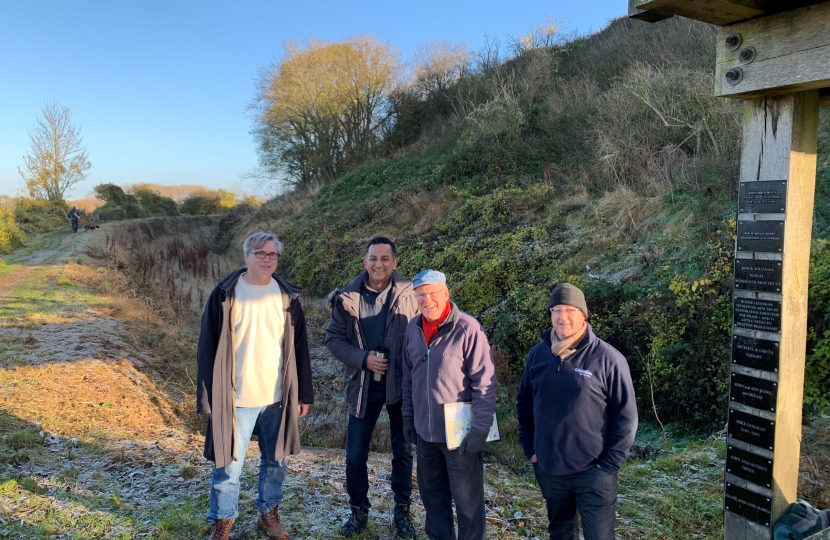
{"points": [[772, 265]]}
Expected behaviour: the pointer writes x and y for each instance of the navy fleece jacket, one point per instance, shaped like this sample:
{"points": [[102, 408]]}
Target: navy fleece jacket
{"points": [[577, 413]]}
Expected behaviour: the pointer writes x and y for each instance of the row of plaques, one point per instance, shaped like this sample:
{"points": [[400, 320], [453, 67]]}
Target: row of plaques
{"points": [[769, 197], [749, 466], [761, 275]]}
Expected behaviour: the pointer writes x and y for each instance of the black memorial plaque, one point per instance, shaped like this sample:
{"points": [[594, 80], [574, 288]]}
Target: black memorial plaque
{"points": [[755, 353], [760, 235], [753, 506], [758, 275], [753, 392], [768, 197], [757, 469], [751, 429], [757, 314]]}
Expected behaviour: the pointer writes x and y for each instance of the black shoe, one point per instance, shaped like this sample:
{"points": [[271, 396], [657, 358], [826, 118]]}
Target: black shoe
{"points": [[356, 522], [402, 521]]}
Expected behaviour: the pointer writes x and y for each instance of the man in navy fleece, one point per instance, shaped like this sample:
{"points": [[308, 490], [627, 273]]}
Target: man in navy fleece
{"points": [[577, 419]]}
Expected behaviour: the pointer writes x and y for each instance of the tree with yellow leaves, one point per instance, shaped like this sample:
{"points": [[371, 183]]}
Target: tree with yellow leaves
{"points": [[323, 108]]}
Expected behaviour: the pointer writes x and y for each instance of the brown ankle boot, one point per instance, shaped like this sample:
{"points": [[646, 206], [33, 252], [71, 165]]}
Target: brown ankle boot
{"points": [[270, 524], [221, 529]]}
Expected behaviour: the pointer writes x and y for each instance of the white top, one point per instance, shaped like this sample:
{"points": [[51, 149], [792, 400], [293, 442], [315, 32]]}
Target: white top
{"points": [[258, 322]]}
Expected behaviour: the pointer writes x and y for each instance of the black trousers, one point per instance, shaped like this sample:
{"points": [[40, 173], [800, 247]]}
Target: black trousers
{"points": [[592, 492], [359, 436], [445, 476]]}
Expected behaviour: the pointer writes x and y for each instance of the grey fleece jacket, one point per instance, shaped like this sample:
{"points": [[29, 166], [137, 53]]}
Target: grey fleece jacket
{"points": [[457, 366], [344, 339]]}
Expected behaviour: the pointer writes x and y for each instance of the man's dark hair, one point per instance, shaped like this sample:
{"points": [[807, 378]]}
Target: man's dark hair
{"points": [[382, 240]]}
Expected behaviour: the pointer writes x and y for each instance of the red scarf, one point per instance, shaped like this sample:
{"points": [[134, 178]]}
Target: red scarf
{"points": [[431, 328]]}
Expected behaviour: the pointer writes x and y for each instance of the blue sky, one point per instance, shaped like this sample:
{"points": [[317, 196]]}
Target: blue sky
{"points": [[160, 88]]}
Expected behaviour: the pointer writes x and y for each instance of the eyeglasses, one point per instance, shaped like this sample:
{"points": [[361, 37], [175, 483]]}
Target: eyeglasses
{"points": [[421, 296], [567, 310], [261, 255]]}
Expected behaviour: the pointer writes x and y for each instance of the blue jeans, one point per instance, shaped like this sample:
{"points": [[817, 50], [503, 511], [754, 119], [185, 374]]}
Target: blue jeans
{"points": [[357, 450], [444, 477], [224, 486], [592, 492], [74, 225]]}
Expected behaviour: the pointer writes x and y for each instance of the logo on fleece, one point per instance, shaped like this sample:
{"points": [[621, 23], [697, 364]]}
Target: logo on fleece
{"points": [[584, 372]]}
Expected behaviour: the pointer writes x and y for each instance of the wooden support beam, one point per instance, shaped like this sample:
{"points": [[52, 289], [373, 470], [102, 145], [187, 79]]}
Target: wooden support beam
{"points": [[779, 148], [719, 12], [647, 15], [783, 53]]}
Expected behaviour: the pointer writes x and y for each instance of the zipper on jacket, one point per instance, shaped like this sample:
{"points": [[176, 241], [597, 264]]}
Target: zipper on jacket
{"points": [[362, 371], [429, 407]]}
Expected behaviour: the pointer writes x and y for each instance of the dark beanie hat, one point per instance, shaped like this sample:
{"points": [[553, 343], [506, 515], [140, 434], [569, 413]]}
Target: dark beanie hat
{"points": [[568, 295]]}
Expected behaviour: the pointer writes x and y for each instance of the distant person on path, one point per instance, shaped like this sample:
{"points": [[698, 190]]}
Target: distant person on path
{"points": [[447, 359], [253, 339], [577, 419], [370, 314], [74, 215]]}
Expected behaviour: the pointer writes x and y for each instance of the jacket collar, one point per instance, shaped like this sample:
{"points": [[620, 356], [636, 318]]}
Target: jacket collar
{"points": [[350, 294], [445, 327]]}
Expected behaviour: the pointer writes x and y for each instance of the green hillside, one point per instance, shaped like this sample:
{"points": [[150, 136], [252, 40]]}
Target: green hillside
{"points": [[604, 161]]}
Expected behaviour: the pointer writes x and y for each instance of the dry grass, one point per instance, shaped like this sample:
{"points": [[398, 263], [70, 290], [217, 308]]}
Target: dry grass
{"points": [[415, 213], [87, 399], [631, 216]]}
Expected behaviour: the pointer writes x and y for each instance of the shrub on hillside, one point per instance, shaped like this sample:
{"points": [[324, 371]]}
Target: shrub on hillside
{"points": [[119, 205], [213, 203], [817, 371], [142, 202], [11, 237], [35, 216], [155, 204]]}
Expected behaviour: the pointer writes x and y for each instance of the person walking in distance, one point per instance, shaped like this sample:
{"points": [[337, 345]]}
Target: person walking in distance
{"points": [[577, 419], [74, 215], [447, 359], [254, 377], [365, 333]]}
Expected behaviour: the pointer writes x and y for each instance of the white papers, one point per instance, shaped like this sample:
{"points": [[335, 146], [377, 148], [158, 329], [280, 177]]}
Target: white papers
{"points": [[458, 417]]}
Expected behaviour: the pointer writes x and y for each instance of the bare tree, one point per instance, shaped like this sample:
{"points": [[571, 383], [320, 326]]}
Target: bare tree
{"points": [[58, 157], [323, 108], [439, 64]]}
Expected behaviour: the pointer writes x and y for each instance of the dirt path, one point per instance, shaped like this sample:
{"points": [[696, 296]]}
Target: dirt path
{"points": [[10, 281]]}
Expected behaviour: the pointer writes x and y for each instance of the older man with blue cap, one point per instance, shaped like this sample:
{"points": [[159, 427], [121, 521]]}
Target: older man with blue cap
{"points": [[447, 359]]}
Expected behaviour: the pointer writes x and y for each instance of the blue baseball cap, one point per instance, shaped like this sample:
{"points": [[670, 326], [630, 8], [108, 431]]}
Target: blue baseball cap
{"points": [[428, 277]]}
